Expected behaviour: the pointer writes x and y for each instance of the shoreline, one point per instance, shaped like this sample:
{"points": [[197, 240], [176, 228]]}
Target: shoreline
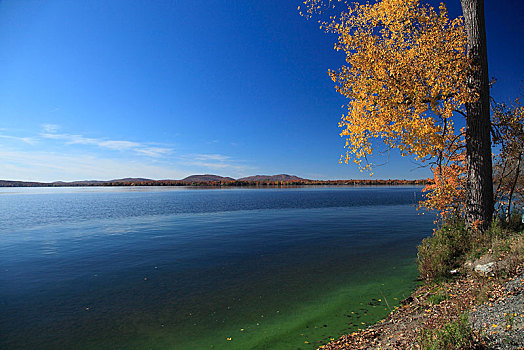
{"points": [[492, 301]]}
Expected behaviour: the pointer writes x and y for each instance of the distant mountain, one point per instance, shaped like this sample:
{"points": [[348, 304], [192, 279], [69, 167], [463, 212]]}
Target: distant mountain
{"points": [[206, 178], [280, 177], [132, 179], [98, 182], [215, 180], [78, 183], [9, 183]]}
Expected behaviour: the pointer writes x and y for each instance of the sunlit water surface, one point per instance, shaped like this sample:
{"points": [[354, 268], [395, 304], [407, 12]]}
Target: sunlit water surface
{"points": [[184, 268]]}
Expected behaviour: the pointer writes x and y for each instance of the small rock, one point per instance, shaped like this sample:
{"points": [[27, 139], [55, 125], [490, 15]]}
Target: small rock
{"points": [[484, 268], [468, 265]]}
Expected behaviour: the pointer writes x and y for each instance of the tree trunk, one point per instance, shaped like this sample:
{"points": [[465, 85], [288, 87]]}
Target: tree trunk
{"points": [[512, 190], [479, 191]]}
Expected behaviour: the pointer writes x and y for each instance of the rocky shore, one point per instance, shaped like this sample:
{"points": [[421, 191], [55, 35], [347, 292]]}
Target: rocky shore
{"points": [[502, 321]]}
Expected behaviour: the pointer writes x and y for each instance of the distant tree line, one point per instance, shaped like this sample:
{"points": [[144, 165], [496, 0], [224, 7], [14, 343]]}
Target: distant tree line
{"points": [[234, 183]]}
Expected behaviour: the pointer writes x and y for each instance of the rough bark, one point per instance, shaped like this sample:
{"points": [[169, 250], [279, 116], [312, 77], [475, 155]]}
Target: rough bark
{"points": [[479, 191]]}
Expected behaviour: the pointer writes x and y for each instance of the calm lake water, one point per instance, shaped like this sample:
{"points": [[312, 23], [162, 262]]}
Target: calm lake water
{"points": [[185, 268]]}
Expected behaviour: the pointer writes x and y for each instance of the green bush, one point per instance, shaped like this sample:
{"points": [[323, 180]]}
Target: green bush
{"points": [[496, 240], [515, 221], [444, 251], [452, 244], [437, 298], [454, 335]]}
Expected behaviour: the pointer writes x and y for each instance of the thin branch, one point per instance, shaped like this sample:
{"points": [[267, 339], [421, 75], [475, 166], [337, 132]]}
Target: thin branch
{"points": [[460, 112]]}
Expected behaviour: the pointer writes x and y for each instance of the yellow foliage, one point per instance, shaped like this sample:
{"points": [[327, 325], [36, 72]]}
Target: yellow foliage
{"points": [[447, 193], [405, 76]]}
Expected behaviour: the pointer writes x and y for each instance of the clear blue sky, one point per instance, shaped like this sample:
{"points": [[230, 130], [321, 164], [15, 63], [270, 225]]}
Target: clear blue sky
{"points": [[165, 89]]}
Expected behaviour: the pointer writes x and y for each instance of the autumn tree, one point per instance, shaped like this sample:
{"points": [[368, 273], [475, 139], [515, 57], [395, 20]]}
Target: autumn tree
{"points": [[410, 70], [508, 123], [446, 194]]}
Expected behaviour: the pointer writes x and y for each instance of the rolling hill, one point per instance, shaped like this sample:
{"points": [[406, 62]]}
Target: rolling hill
{"points": [[206, 178], [280, 177]]}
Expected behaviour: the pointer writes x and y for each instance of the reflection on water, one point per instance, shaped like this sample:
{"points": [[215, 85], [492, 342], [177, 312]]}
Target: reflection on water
{"points": [[178, 269]]}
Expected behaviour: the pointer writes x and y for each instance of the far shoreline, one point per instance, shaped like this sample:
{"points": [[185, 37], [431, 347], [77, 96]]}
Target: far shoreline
{"points": [[215, 184]]}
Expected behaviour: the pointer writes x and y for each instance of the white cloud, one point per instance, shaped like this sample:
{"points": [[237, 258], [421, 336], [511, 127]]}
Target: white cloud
{"points": [[218, 157], [224, 163], [134, 159], [119, 145], [115, 145], [50, 127], [47, 166], [154, 151], [212, 165], [28, 140]]}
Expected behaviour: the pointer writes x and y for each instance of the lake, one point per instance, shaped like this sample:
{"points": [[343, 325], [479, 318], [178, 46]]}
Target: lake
{"points": [[195, 268]]}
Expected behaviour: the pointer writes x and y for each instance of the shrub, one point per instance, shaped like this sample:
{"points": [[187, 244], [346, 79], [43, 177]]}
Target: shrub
{"points": [[437, 298], [515, 221], [444, 251], [454, 335], [452, 244]]}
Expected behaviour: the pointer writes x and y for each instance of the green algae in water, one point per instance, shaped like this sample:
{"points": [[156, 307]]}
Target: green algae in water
{"points": [[309, 320], [315, 321], [316, 314]]}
